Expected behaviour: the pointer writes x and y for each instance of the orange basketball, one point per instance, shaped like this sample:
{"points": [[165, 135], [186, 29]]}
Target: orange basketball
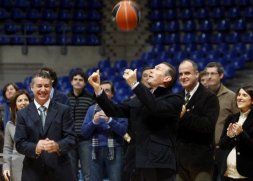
{"points": [[126, 14]]}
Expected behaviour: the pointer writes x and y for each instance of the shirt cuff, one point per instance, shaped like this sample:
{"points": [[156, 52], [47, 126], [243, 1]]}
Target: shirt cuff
{"points": [[135, 85]]}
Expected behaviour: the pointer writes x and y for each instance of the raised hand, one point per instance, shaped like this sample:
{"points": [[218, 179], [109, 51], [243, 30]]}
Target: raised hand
{"points": [[130, 76], [94, 80]]}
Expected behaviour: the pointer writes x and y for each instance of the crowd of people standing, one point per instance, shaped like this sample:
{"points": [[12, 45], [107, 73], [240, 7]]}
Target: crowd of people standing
{"points": [[203, 133]]}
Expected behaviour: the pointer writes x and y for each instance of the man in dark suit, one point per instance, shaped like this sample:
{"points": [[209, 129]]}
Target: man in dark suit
{"points": [[154, 115], [45, 137], [196, 128]]}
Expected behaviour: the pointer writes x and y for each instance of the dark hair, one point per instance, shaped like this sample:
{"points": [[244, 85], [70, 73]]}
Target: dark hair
{"points": [[201, 74], [109, 82], [77, 71], [146, 68], [219, 67], [194, 64], [43, 74], [248, 89], [172, 72], [6, 86], [13, 103], [53, 75]]}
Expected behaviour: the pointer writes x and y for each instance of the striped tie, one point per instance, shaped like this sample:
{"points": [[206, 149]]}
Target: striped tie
{"points": [[187, 98]]}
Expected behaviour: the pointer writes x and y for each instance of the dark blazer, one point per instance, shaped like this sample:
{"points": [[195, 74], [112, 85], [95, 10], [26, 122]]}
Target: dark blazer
{"points": [[196, 127], [243, 144], [154, 119], [58, 127]]}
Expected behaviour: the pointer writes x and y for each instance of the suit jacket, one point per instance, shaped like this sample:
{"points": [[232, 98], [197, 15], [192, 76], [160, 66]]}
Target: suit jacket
{"points": [[154, 119], [60, 97], [58, 127], [243, 144], [196, 128]]}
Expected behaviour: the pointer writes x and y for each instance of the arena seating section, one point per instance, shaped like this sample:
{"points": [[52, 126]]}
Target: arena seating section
{"points": [[50, 22], [203, 30]]}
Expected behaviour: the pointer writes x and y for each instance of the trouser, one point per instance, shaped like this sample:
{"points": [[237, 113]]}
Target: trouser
{"points": [[232, 179]]}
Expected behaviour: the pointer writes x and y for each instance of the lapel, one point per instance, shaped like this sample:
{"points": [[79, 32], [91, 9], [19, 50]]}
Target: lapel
{"points": [[51, 113], [195, 97], [35, 117], [248, 122]]}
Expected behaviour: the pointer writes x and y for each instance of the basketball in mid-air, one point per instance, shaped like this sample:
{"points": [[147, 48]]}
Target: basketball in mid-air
{"points": [[126, 15]]}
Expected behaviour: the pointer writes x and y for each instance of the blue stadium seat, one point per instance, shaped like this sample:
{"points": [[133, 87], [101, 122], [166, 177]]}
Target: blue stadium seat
{"points": [[184, 3], [12, 27], [63, 28], [206, 25], [22, 3], [223, 47], [30, 27], [157, 49], [64, 40], [93, 28], [81, 4], [248, 12], [35, 40], [179, 56], [17, 40], [228, 2], [164, 55], [107, 73], [49, 14], [147, 55], [172, 26], [248, 37], [49, 40], [190, 47], [229, 71], [120, 65], [223, 25], [96, 4], [240, 47], [157, 27], [233, 37], [239, 25], [65, 14], [46, 27], [156, 15], [198, 3], [94, 15], [152, 62], [18, 14], [213, 3], [203, 38], [217, 13], [89, 71], [169, 14], [52, 3], [189, 38], [213, 55], [234, 12], [7, 3], [189, 26], [4, 40], [206, 47], [196, 55], [37, 3], [79, 28], [20, 85], [158, 38], [168, 3], [80, 15], [243, 2], [93, 39], [67, 3], [218, 37], [202, 13], [174, 47], [186, 14], [78, 39], [4, 14], [155, 4], [173, 38], [34, 14], [104, 63]]}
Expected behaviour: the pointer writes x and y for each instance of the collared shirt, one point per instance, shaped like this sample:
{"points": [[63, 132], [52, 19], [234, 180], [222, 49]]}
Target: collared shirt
{"points": [[52, 93], [193, 90], [231, 159], [38, 105]]}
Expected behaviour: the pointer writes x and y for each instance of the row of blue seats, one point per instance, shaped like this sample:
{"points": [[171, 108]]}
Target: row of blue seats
{"points": [[45, 27], [205, 25], [197, 3], [189, 38], [201, 13], [51, 14], [51, 3], [76, 39]]}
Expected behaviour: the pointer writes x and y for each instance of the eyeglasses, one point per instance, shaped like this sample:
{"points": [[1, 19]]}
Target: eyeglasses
{"points": [[212, 73]]}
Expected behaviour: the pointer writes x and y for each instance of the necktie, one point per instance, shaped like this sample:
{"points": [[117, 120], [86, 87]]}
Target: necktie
{"points": [[42, 110], [187, 98]]}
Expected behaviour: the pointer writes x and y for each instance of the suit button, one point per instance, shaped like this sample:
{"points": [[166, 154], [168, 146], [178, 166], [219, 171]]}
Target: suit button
{"points": [[238, 153], [217, 146]]}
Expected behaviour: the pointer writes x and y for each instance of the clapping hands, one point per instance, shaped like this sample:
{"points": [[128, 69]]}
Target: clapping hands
{"points": [[234, 129]]}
